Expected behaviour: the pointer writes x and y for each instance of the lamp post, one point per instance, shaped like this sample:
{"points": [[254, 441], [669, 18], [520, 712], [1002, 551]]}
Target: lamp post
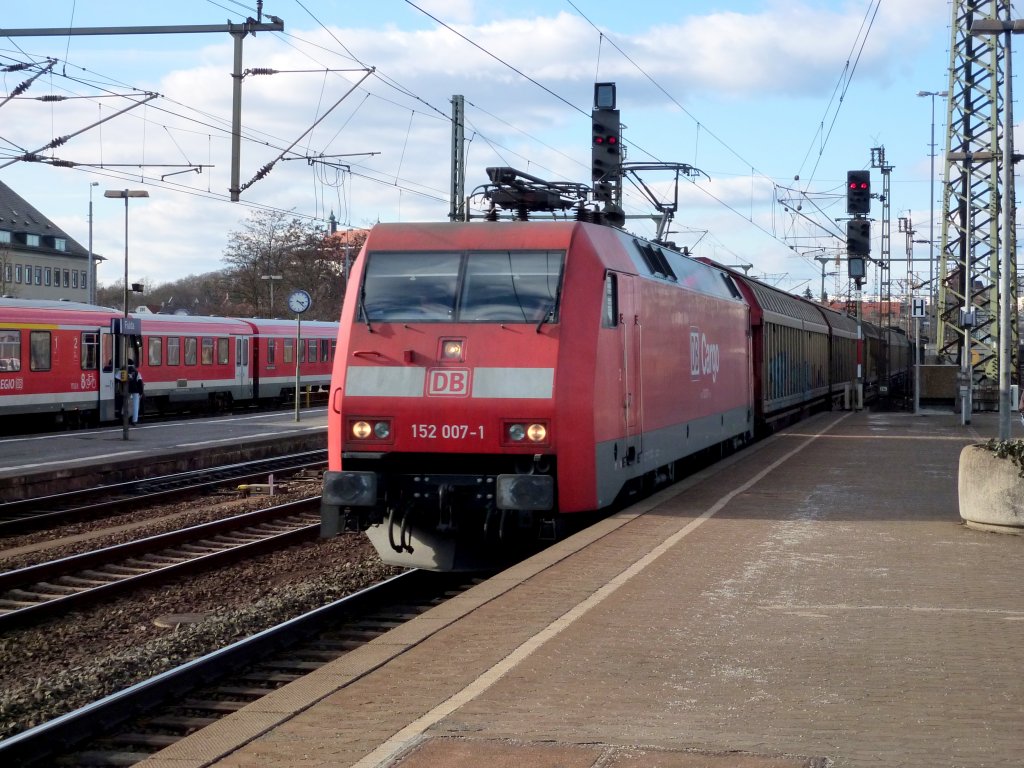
{"points": [[92, 265], [824, 260], [984, 27], [271, 278], [125, 193], [931, 208]]}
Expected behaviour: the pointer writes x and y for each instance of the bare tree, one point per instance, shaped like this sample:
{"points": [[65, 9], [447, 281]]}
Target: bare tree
{"points": [[266, 245]]}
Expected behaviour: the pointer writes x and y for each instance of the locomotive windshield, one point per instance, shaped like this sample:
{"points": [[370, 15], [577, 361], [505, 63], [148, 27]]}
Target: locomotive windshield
{"points": [[467, 287]]}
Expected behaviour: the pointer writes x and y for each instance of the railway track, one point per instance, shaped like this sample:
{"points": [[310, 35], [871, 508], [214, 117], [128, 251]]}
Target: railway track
{"points": [[26, 515], [153, 714], [46, 589]]}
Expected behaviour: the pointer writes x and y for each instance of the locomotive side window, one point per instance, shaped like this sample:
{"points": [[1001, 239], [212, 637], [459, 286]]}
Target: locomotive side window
{"points": [[90, 351], [154, 350], [173, 350], [10, 350], [39, 351], [190, 350], [610, 314]]}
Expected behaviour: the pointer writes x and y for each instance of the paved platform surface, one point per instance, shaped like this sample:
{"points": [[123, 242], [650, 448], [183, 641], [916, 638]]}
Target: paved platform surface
{"points": [[812, 601], [34, 465]]}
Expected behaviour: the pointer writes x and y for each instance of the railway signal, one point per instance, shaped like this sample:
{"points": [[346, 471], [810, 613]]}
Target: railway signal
{"points": [[858, 192], [858, 237], [606, 155]]}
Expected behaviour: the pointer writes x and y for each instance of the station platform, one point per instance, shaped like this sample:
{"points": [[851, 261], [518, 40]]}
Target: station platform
{"points": [[811, 601], [36, 465]]}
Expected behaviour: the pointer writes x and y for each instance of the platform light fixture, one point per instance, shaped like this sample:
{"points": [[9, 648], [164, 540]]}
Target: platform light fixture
{"points": [[125, 193]]}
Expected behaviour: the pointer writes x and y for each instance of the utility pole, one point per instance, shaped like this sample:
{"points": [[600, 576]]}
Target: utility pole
{"points": [[457, 212]]}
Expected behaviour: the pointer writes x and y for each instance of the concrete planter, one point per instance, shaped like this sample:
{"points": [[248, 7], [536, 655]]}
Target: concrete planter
{"points": [[991, 491]]}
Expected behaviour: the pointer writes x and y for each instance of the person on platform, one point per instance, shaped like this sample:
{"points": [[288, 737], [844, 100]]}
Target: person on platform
{"points": [[135, 389]]}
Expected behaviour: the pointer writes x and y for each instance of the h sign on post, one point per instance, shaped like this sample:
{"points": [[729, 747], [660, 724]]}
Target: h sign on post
{"points": [[918, 308]]}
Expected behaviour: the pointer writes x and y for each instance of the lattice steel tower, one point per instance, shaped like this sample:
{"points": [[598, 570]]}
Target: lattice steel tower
{"points": [[970, 247]]}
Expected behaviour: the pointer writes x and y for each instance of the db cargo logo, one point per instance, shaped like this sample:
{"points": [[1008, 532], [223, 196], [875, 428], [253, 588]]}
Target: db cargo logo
{"points": [[704, 356], [448, 382]]}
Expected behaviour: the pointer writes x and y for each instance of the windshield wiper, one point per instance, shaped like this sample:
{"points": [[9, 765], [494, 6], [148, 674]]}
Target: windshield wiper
{"points": [[362, 309]]}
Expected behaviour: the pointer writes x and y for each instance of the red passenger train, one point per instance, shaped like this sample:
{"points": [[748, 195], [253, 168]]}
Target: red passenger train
{"points": [[59, 360], [495, 379]]}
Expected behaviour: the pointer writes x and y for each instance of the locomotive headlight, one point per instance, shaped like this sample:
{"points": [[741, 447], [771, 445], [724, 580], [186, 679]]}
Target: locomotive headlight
{"points": [[371, 430], [520, 432], [451, 349]]}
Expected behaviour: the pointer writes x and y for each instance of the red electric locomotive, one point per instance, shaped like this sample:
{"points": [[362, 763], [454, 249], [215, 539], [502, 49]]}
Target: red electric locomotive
{"points": [[493, 379]]}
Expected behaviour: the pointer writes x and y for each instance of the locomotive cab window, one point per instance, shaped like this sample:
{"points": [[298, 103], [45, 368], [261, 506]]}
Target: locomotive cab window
{"points": [[475, 286]]}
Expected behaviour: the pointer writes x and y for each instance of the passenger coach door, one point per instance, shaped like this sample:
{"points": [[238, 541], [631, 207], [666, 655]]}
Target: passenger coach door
{"points": [[629, 319], [242, 380]]}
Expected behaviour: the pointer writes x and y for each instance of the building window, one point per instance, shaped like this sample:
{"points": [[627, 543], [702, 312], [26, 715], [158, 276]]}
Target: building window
{"points": [[84, 280], [39, 275], [46, 277], [74, 279], [5, 236], [8, 273], [67, 278], [17, 273], [60, 244], [32, 240]]}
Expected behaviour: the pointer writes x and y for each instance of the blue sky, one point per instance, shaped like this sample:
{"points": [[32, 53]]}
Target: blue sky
{"points": [[773, 101]]}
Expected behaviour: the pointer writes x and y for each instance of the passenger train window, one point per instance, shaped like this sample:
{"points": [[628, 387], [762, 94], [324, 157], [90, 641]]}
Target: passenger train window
{"points": [[223, 351], [289, 351], [39, 351], [173, 350], [207, 358], [90, 351], [10, 350], [190, 350], [154, 350], [271, 350]]}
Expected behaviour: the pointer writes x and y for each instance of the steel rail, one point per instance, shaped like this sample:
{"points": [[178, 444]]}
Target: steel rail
{"points": [[135, 572], [64, 733]]}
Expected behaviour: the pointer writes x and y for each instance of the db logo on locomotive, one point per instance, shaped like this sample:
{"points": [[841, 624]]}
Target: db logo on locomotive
{"points": [[448, 382], [704, 356]]}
